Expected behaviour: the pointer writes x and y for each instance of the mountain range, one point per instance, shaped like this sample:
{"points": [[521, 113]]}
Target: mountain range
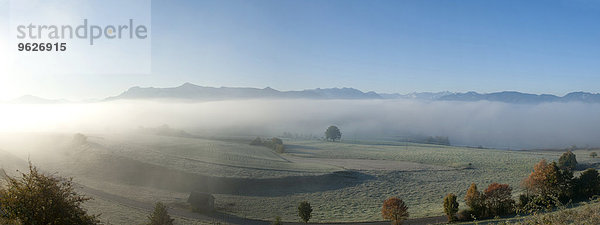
{"points": [[192, 92]]}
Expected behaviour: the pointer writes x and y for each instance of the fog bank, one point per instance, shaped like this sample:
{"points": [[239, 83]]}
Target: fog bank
{"points": [[490, 124]]}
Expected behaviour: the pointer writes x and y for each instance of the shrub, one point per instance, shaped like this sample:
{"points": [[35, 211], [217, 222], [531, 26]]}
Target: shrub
{"points": [[474, 199], [305, 211], [567, 161], [464, 215], [36, 198], [450, 207], [588, 183], [395, 210], [160, 216], [498, 199], [275, 143]]}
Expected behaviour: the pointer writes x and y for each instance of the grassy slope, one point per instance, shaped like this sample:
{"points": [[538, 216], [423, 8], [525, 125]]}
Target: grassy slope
{"points": [[209, 157], [422, 190]]}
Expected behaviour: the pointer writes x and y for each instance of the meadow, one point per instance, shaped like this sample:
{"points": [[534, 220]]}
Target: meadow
{"points": [[343, 181]]}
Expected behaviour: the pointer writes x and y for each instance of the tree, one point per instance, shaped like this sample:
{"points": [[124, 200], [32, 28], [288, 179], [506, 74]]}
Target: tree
{"points": [[304, 211], [450, 207], [474, 199], [588, 183], [395, 210], [498, 199], [160, 216], [36, 198], [547, 180], [333, 133], [567, 161], [593, 154]]}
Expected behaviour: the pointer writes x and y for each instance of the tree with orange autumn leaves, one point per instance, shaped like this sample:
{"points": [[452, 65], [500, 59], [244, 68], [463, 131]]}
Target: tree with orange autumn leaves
{"points": [[395, 210], [548, 181]]}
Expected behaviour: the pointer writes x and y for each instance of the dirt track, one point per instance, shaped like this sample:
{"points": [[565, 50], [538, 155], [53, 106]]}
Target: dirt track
{"points": [[230, 219]]}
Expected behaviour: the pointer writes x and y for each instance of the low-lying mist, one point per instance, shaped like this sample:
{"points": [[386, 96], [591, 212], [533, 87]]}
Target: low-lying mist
{"points": [[488, 124]]}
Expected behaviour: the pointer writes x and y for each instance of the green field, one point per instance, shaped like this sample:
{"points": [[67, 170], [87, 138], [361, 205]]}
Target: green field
{"points": [[418, 173]]}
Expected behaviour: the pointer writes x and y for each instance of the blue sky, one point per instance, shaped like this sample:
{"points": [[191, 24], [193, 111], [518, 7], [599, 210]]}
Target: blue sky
{"points": [[383, 46]]}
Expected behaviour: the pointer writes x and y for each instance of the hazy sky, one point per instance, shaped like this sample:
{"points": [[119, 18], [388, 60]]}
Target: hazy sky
{"points": [[384, 46]]}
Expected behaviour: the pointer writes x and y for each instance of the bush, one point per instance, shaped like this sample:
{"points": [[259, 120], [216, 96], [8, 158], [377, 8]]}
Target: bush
{"points": [[588, 184], [465, 215], [498, 199], [395, 210], [160, 216], [567, 161], [474, 199], [305, 211], [450, 207], [275, 143], [35, 198]]}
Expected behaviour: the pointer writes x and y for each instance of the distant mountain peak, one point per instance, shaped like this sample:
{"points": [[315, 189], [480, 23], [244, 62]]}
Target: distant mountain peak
{"points": [[523, 98], [30, 99], [189, 91], [188, 84]]}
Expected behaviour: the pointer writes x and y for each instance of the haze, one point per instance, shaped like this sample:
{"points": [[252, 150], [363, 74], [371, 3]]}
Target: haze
{"points": [[488, 124]]}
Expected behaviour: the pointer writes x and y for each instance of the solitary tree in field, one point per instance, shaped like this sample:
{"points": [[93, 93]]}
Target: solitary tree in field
{"points": [[395, 210], [305, 211], [36, 198], [593, 154], [160, 216], [567, 161], [450, 207], [333, 133]]}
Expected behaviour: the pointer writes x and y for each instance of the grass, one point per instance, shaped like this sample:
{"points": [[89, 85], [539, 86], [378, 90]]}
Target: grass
{"points": [[422, 190], [208, 157], [115, 213]]}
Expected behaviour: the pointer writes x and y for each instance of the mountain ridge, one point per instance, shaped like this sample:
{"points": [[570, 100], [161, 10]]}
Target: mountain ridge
{"points": [[193, 92]]}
